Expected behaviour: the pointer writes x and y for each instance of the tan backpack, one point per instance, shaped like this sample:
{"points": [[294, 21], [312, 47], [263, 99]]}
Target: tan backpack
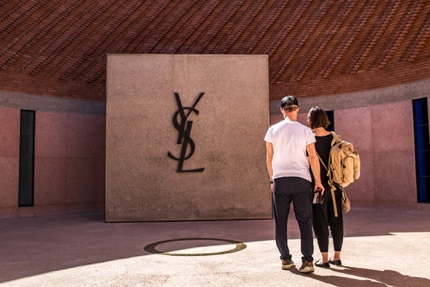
{"points": [[343, 165]]}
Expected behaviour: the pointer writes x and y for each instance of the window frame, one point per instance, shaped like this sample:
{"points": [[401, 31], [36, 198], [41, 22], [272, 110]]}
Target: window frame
{"points": [[421, 147], [26, 158]]}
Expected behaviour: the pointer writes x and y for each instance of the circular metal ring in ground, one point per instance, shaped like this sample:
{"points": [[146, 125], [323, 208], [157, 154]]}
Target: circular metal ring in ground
{"points": [[151, 248]]}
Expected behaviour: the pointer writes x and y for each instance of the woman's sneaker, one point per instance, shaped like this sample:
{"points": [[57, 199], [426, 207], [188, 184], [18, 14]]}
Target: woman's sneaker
{"points": [[319, 263], [307, 267], [287, 264], [335, 262]]}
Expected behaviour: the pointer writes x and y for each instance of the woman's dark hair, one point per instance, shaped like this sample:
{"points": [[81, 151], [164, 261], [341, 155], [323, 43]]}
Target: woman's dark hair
{"points": [[317, 118]]}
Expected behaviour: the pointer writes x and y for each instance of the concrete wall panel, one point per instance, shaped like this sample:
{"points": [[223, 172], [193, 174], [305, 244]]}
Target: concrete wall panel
{"points": [[9, 167], [86, 136], [393, 126], [394, 152], [51, 135], [9, 132], [69, 167], [355, 126], [50, 181], [142, 182], [9, 160], [82, 172], [69, 149]]}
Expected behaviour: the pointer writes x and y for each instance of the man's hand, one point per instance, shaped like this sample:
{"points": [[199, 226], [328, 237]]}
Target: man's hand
{"points": [[319, 185], [269, 159]]}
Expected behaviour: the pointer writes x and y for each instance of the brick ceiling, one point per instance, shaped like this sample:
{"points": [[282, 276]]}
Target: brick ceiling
{"points": [[58, 48]]}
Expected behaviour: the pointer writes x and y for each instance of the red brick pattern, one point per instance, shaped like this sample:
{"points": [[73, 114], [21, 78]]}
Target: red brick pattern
{"points": [[58, 48]]}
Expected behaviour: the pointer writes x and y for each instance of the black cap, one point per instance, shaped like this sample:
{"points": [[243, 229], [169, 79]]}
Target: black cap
{"points": [[289, 101]]}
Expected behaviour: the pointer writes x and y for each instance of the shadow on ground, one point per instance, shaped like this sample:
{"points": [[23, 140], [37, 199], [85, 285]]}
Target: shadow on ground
{"points": [[370, 277], [32, 246]]}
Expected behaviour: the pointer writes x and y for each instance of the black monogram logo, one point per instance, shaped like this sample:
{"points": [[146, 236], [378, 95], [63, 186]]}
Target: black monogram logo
{"points": [[183, 125]]}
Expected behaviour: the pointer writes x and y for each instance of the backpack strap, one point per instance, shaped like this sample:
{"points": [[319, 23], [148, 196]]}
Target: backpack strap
{"points": [[336, 139], [332, 188], [322, 161]]}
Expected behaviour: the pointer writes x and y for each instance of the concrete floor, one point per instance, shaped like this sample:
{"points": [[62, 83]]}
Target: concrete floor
{"points": [[380, 249]]}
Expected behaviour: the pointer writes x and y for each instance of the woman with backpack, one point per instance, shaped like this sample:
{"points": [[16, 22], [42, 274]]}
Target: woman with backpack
{"points": [[324, 217]]}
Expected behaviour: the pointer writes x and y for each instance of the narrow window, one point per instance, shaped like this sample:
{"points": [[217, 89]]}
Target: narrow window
{"points": [[26, 159], [422, 147], [330, 115]]}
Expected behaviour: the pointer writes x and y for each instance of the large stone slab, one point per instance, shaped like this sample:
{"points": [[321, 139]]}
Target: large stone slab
{"points": [[184, 137]]}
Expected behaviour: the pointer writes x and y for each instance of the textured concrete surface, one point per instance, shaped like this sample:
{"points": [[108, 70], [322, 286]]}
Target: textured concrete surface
{"points": [[69, 163], [35, 102], [366, 98], [380, 249], [170, 115]]}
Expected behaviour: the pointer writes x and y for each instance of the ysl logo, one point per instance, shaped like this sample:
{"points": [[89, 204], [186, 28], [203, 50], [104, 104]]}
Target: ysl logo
{"points": [[183, 125]]}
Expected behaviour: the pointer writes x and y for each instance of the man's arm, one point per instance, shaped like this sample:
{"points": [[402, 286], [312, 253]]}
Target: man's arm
{"points": [[269, 159], [315, 165]]}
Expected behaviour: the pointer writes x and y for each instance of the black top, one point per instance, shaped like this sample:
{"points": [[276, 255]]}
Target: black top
{"points": [[323, 146]]}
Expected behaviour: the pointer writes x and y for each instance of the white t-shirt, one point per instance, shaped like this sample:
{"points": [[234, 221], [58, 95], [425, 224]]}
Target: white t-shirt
{"points": [[289, 140]]}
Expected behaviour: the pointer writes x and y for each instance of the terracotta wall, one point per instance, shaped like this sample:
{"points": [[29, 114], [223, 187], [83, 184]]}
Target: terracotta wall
{"points": [[69, 163], [383, 134], [9, 161], [70, 151]]}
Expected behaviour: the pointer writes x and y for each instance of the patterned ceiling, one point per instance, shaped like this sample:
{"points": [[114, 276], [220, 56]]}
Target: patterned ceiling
{"points": [[58, 48]]}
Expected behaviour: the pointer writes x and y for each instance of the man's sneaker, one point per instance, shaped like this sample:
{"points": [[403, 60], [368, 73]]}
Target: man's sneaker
{"points": [[307, 267], [287, 264]]}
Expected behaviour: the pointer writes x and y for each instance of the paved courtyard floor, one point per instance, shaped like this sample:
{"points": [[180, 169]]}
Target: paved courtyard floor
{"points": [[380, 249]]}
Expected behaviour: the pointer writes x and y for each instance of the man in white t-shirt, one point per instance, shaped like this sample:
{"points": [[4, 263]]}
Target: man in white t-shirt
{"points": [[287, 143]]}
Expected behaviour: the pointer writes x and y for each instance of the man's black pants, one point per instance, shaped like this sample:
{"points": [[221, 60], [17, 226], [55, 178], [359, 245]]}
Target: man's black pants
{"points": [[298, 191]]}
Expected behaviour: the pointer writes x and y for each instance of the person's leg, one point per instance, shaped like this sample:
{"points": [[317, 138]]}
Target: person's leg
{"points": [[302, 201], [321, 229], [336, 257], [336, 226], [281, 205], [320, 225]]}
